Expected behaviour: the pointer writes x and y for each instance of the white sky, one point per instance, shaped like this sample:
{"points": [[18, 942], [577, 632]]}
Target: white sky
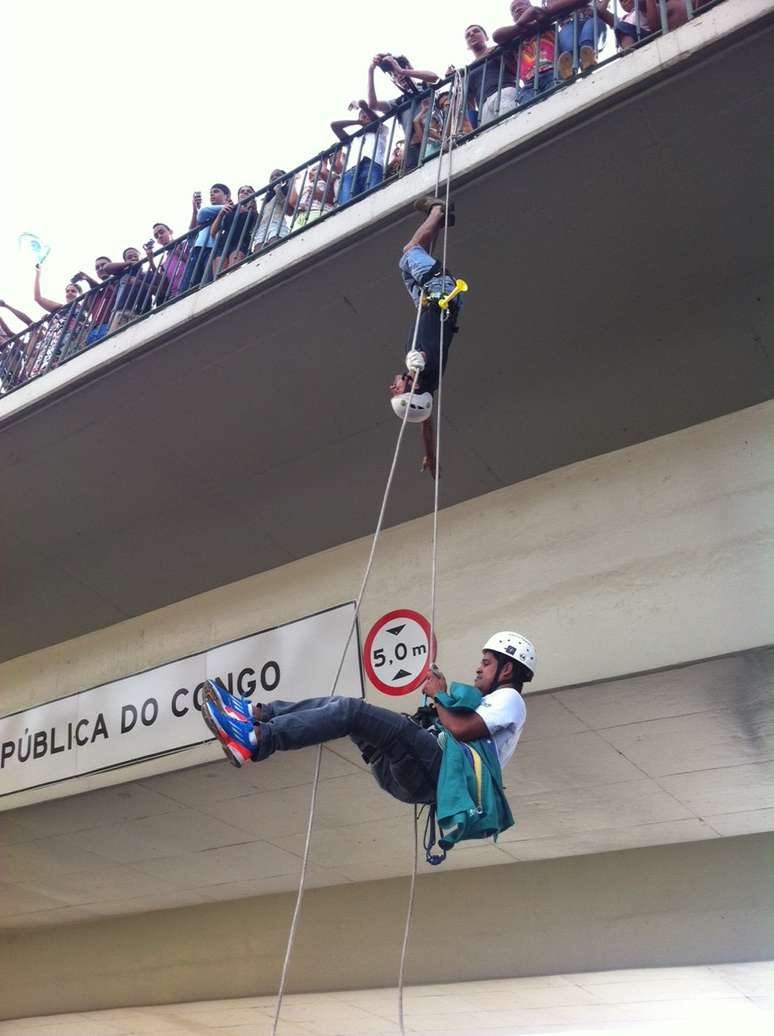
{"points": [[114, 114]]}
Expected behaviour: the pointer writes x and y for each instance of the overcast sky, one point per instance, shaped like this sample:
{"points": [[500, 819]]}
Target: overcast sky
{"points": [[114, 114]]}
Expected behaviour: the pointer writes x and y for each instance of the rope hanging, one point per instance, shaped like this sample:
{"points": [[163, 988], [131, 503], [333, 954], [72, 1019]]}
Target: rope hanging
{"points": [[364, 582], [451, 122], [318, 764]]}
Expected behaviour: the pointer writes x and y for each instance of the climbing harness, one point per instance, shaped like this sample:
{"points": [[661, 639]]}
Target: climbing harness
{"points": [[454, 109]]}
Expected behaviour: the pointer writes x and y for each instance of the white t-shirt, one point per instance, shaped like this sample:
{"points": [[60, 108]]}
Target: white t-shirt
{"points": [[504, 713], [373, 145]]}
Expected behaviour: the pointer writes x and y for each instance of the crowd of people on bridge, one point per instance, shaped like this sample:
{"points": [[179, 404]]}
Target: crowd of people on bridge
{"points": [[542, 48]]}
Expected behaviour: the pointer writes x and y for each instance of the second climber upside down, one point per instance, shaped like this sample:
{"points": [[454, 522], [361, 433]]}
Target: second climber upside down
{"points": [[429, 353]]}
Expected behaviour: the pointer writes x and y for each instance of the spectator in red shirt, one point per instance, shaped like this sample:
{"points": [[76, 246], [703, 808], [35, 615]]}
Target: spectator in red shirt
{"points": [[102, 302], [172, 266], [532, 30]]}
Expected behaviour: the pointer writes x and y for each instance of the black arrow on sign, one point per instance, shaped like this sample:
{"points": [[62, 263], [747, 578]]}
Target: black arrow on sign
{"points": [[400, 674], [395, 630]]}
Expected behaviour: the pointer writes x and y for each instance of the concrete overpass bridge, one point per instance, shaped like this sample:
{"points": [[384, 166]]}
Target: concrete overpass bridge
{"points": [[212, 471]]}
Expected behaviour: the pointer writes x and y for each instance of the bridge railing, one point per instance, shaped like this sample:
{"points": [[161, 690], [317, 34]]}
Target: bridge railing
{"points": [[544, 57]]}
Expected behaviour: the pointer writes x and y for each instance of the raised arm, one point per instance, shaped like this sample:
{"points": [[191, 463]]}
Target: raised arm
{"points": [[428, 442], [148, 249], [196, 204], [17, 313], [373, 103], [47, 304], [81, 276]]}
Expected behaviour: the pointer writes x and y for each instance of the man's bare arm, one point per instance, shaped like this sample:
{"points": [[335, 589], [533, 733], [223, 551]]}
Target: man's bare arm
{"points": [[428, 442], [340, 125], [373, 103], [421, 75], [534, 18], [526, 21], [42, 301], [81, 276], [465, 726], [116, 268], [18, 314]]}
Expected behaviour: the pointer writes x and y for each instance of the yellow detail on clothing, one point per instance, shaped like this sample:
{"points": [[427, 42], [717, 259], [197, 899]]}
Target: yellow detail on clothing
{"points": [[460, 285]]}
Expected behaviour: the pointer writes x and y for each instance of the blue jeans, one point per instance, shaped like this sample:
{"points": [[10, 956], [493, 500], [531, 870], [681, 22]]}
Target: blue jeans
{"points": [[97, 332], [359, 178], [404, 758], [195, 269], [585, 35], [537, 85], [419, 269]]}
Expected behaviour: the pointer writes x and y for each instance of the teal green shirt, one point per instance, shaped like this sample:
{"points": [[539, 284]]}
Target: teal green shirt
{"points": [[470, 801]]}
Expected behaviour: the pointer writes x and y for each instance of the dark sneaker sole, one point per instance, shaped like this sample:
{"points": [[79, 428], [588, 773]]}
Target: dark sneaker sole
{"points": [[426, 204]]}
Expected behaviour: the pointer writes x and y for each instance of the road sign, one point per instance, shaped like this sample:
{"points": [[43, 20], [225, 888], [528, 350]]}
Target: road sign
{"points": [[396, 653]]}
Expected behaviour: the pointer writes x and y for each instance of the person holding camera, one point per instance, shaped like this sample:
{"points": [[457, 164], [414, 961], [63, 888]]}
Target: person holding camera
{"points": [[364, 153], [406, 106]]}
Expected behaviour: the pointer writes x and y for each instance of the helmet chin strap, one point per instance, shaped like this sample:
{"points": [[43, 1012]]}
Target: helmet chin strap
{"points": [[501, 663]]}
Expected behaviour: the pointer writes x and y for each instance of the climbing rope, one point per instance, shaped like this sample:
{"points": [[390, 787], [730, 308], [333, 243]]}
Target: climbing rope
{"points": [[318, 764], [450, 123], [363, 584]]}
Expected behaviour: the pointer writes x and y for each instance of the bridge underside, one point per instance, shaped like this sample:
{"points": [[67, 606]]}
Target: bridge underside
{"points": [[621, 288]]}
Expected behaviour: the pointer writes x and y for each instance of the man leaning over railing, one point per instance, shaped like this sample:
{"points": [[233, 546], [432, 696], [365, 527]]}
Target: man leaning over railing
{"points": [[102, 302], [533, 37], [492, 87], [364, 155], [277, 210], [199, 267], [172, 266]]}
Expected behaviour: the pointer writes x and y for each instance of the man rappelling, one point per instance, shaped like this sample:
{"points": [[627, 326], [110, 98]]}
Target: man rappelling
{"points": [[437, 297], [452, 761]]}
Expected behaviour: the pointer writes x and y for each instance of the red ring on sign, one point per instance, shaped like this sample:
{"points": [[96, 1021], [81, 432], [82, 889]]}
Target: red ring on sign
{"points": [[399, 613]]}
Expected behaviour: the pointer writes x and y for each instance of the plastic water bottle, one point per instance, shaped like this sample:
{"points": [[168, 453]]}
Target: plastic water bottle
{"points": [[31, 245]]}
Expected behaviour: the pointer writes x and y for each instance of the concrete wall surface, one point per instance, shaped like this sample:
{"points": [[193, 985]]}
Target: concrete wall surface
{"points": [[695, 903], [647, 557]]}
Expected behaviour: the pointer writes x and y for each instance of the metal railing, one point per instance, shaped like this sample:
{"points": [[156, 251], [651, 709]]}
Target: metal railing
{"points": [[546, 56]]}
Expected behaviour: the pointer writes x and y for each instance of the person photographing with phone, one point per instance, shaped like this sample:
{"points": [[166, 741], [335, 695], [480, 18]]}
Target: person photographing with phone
{"points": [[405, 78]]}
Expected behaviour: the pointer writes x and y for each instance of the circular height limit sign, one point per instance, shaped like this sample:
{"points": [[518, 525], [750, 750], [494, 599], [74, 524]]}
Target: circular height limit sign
{"points": [[396, 653]]}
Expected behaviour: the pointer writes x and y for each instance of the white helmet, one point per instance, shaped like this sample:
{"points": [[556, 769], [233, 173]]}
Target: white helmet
{"points": [[419, 409], [513, 644]]}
